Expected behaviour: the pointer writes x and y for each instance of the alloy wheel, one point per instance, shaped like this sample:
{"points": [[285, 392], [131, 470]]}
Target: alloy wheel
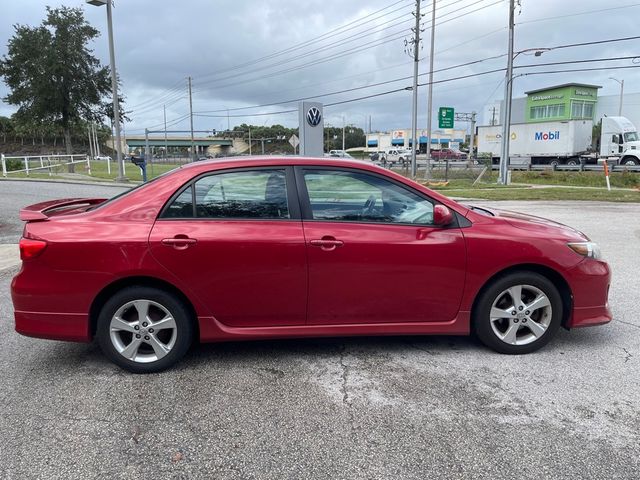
{"points": [[143, 331], [520, 315]]}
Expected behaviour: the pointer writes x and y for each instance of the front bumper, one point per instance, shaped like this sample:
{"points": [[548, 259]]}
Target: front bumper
{"points": [[589, 281]]}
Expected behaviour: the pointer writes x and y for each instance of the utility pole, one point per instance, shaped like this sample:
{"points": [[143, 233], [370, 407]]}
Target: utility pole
{"points": [[508, 92], [250, 140], [493, 116], [193, 145], [90, 134], [621, 96], [430, 97], [621, 82], [416, 62], [472, 138], [96, 140], [166, 145], [343, 128]]}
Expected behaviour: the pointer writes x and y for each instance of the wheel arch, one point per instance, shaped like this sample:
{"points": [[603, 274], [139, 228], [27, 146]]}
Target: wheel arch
{"points": [[146, 281], [556, 278]]}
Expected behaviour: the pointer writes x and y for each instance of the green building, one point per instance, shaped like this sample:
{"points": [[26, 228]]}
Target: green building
{"points": [[569, 101]]}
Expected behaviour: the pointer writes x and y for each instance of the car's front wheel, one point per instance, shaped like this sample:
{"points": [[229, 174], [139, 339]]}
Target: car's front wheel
{"points": [[144, 329], [518, 313]]}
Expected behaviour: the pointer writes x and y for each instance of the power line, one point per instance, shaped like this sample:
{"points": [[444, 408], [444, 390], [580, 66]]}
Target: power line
{"points": [[169, 91], [341, 54], [342, 42], [284, 102], [325, 35], [398, 90], [576, 14]]}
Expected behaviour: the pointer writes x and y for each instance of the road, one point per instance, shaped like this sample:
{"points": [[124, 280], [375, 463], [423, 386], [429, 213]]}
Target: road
{"points": [[384, 408]]}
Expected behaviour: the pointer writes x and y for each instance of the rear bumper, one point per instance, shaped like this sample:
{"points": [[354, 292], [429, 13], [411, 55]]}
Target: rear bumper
{"points": [[72, 327]]}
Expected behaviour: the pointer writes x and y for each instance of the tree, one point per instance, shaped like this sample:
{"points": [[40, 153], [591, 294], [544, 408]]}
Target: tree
{"points": [[6, 126], [52, 74]]}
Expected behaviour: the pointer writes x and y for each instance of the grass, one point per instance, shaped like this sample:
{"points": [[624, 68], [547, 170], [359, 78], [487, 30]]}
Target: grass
{"points": [[99, 171], [531, 186], [541, 193], [132, 172], [578, 179]]}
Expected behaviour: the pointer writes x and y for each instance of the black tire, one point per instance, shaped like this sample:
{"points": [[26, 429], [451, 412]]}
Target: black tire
{"points": [[180, 337], [485, 329], [629, 161], [573, 162]]}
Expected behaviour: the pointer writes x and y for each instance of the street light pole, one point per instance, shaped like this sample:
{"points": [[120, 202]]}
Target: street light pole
{"points": [[430, 95], [508, 92], [621, 82], [114, 87]]}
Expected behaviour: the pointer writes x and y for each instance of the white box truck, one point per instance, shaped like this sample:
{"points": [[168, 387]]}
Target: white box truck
{"points": [[564, 142]]}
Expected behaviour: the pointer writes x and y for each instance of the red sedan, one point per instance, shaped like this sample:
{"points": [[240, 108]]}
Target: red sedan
{"points": [[295, 247]]}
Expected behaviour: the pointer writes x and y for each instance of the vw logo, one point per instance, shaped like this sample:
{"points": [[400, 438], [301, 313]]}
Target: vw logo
{"points": [[314, 116]]}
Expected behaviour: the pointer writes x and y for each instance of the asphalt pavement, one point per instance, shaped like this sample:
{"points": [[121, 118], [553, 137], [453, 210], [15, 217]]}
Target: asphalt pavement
{"points": [[383, 408]]}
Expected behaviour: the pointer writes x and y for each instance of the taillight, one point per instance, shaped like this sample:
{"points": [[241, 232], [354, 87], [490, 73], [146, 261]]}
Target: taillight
{"points": [[30, 248]]}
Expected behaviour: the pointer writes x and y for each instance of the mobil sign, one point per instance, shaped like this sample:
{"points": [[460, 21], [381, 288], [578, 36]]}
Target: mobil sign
{"points": [[545, 136]]}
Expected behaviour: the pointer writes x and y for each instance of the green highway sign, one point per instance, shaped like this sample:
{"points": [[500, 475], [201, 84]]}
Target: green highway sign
{"points": [[445, 117]]}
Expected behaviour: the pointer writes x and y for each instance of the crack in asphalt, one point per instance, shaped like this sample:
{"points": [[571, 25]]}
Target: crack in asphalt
{"points": [[628, 323], [629, 355], [344, 375]]}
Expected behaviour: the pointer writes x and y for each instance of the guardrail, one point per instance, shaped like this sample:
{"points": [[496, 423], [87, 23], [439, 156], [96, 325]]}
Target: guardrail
{"points": [[464, 164], [36, 163]]}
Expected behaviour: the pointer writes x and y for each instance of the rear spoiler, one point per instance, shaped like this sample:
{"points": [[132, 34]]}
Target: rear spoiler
{"points": [[40, 211]]}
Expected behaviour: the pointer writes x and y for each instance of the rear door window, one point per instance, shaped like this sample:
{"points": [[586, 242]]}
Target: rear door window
{"points": [[248, 194]]}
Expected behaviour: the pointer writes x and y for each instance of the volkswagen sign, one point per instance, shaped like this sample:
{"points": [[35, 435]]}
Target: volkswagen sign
{"points": [[314, 117]]}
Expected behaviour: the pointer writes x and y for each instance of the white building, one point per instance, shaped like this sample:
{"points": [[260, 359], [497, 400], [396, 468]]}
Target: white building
{"points": [[444, 138]]}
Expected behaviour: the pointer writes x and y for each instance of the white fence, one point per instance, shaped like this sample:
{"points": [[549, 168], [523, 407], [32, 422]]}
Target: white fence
{"points": [[41, 163]]}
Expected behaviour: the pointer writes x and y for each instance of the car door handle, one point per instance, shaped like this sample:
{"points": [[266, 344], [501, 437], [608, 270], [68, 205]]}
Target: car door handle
{"points": [[327, 243], [179, 242]]}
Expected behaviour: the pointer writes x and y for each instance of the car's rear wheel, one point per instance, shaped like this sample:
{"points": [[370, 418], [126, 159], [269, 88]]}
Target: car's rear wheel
{"points": [[144, 329], [518, 313]]}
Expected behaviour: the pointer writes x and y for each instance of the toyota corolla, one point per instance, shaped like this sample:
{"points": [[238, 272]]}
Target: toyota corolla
{"points": [[292, 247]]}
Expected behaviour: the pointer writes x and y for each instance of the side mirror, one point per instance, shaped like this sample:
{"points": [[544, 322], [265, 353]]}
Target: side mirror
{"points": [[442, 216]]}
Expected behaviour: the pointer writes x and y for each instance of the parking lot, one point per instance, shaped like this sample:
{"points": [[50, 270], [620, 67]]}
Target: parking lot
{"points": [[397, 408]]}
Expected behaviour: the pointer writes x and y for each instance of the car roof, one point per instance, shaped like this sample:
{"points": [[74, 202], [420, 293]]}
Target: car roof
{"points": [[273, 160]]}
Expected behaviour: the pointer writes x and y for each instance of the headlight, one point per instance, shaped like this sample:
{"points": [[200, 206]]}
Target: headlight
{"points": [[586, 249]]}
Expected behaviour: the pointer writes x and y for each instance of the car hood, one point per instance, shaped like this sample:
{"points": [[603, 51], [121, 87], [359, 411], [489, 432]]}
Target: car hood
{"points": [[541, 225]]}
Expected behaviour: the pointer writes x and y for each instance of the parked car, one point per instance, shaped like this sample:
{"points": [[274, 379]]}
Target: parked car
{"points": [[448, 154], [339, 154], [258, 248], [397, 155]]}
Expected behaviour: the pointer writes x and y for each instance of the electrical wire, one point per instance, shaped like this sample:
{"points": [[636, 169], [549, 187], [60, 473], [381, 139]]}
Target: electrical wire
{"points": [[555, 17], [338, 54]]}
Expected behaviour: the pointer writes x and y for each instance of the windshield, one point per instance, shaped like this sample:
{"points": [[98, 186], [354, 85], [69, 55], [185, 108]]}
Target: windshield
{"points": [[631, 137]]}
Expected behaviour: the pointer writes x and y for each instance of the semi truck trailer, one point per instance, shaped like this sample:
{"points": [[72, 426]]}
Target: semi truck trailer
{"points": [[564, 142]]}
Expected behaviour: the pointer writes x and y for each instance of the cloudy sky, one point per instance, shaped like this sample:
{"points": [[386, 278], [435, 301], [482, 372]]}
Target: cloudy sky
{"points": [[265, 54]]}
